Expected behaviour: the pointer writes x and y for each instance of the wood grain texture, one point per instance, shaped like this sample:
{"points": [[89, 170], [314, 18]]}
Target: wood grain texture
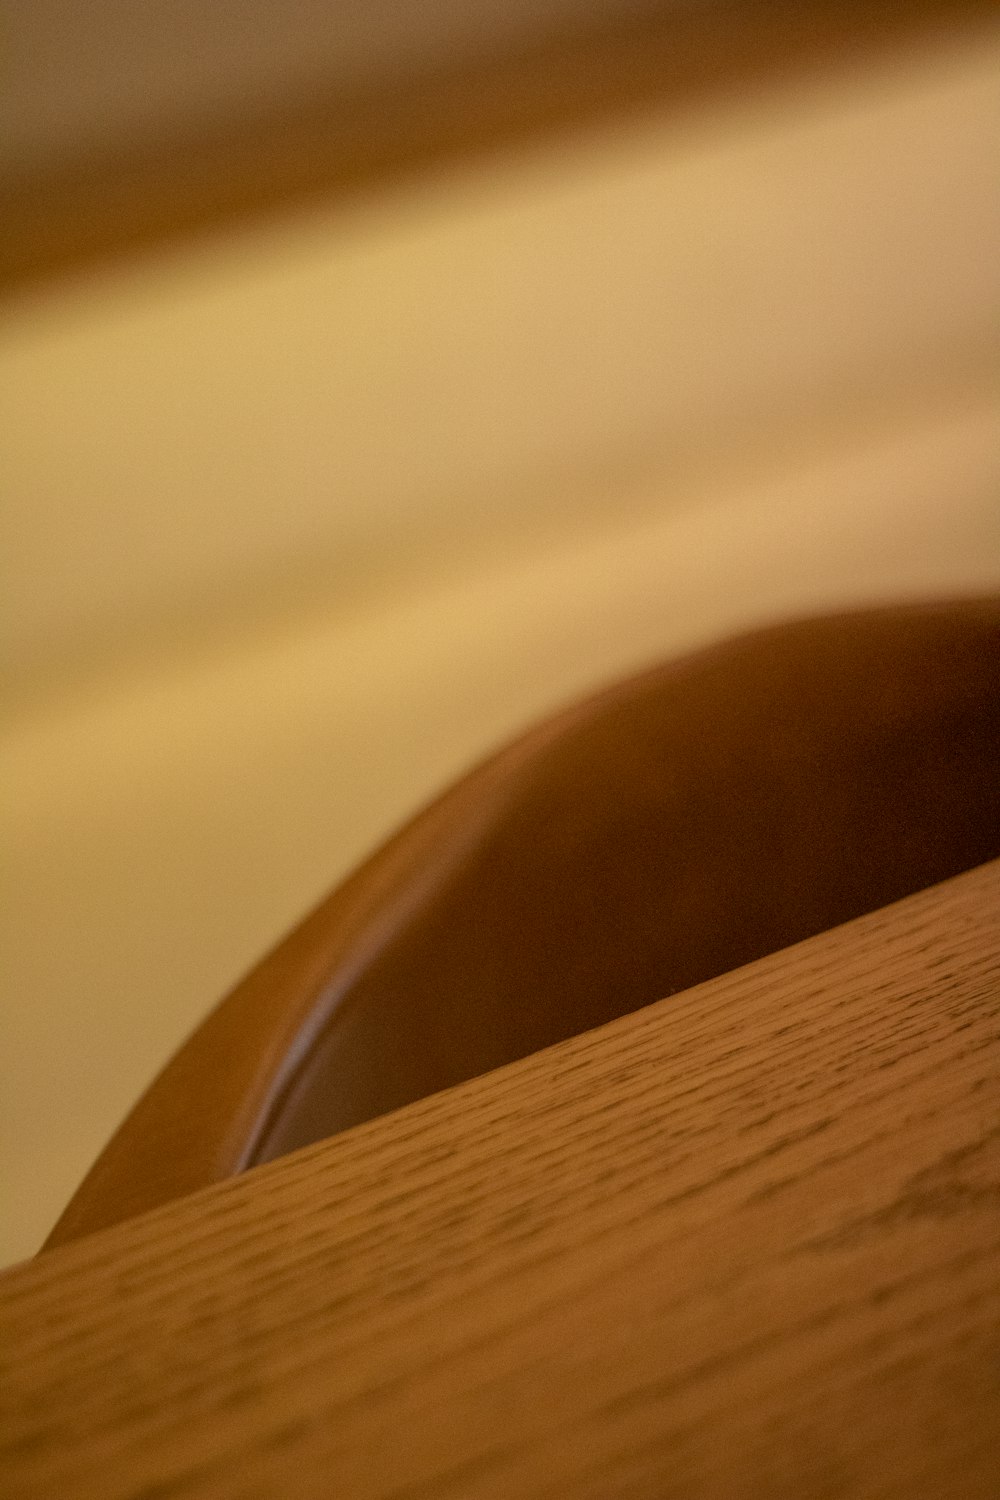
{"points": [[741, 1243], [671, 828], [336, 140]]}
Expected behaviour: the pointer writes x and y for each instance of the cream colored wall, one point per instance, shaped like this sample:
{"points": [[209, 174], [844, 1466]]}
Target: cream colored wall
{"points": [[300, 524]]}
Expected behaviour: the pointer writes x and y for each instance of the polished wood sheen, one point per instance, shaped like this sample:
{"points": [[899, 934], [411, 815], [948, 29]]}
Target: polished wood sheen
{"points": [[744, 1242]]}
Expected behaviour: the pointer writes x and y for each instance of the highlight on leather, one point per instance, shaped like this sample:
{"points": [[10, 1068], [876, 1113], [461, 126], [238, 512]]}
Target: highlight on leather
{"points": [[674, 827]]}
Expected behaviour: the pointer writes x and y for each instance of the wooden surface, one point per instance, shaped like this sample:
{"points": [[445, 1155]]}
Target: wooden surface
{"points": [[673, 827], [349, 132], [741, 1243]]}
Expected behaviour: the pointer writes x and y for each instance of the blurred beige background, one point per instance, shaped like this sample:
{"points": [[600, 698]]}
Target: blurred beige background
{"points": [[300, 521]]}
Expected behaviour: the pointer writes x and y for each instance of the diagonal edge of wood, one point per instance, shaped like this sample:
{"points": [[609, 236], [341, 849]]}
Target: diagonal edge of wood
{"points": [[743, 1242]]}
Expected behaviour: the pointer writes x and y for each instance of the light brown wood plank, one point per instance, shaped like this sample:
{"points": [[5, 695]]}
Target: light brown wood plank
{"points": [[745, 1242], [340, 139]]}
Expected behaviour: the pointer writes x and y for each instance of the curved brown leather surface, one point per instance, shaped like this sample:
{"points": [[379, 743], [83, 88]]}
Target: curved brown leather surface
{"points": [[679, 825]]}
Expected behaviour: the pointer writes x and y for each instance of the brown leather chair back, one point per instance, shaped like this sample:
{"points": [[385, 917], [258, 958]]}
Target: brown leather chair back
{"points": [[676, 826]]}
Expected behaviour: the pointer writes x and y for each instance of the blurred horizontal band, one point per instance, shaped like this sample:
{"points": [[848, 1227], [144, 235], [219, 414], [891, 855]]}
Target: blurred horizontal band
{"points": [[351, 133]]}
